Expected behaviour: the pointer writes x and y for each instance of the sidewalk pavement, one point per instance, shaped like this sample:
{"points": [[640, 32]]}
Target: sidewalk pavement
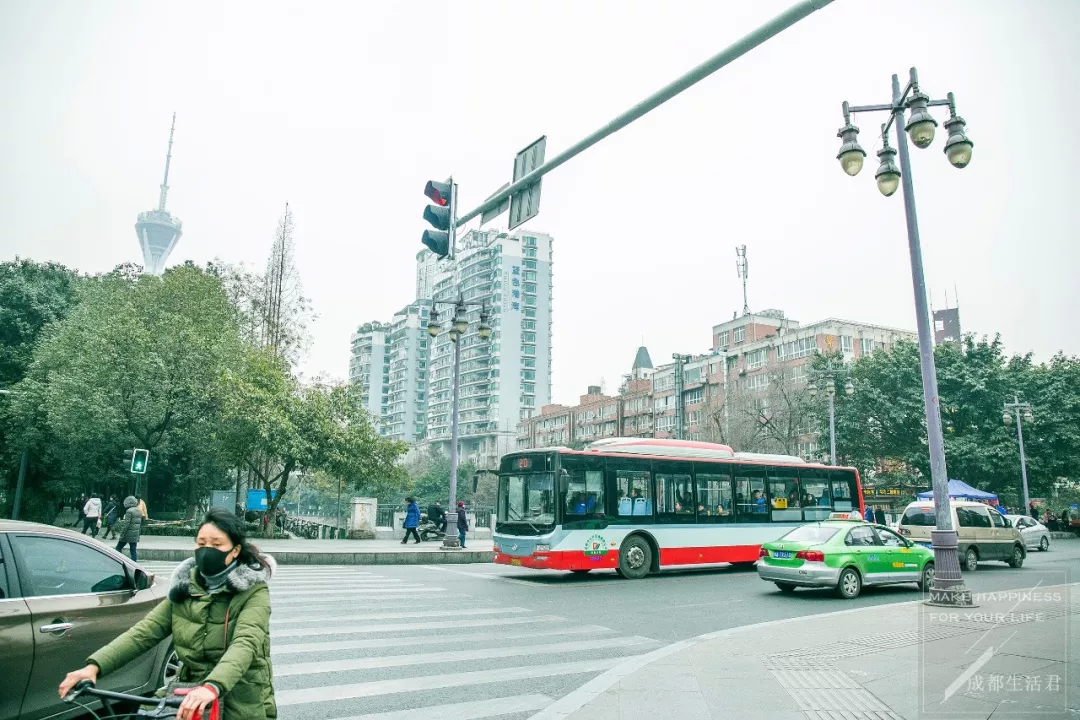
{"points": [[295, 551], [1016, 655]]}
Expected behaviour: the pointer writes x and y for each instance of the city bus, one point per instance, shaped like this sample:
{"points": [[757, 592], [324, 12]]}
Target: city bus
{"points": [[636, 505]]}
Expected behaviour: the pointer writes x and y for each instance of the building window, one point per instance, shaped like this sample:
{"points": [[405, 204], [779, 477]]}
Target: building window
{"points": [[868, 345], [740, 333], [796, 349], [531, 264], [528, 362], [757, 358], [758, 382], [530, 252], [528, 387], [530, 287], [529, 337], [845, 343], [722, 340], [693, 397], [528, 374], [528, 241], [530, 312], [796, 373], [528, 324]]}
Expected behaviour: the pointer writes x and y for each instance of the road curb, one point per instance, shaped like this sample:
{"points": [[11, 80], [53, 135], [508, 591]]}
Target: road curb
{"points": [[574, 701], [292, 557]]}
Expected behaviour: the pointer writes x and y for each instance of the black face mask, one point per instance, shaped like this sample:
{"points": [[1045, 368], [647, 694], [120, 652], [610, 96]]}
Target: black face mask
{"points": [[210, 561]]}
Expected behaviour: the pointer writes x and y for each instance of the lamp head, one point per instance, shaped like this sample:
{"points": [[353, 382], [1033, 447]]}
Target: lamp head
{"points": [[921, 124], [958, 147], [851, 153], [888, 173]]}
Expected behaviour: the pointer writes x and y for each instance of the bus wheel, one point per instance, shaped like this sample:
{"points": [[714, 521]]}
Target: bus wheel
{"points": [[635, 557]]}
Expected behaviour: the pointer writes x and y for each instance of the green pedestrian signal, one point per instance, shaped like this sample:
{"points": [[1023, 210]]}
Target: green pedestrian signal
{"points": [[139, 461]]}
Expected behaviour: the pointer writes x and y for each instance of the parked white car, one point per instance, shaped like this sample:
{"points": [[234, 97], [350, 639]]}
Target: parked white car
{"points": [[1035, 534]]}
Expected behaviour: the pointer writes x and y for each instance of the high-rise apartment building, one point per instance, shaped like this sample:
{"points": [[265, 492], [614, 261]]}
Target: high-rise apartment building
{"points": [[506, 378], [427, 267], [369, 368], [407, 351]]}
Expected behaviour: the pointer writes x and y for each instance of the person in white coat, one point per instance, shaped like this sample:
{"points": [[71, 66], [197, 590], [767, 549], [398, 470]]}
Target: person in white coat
{"points": [[92, 511]]}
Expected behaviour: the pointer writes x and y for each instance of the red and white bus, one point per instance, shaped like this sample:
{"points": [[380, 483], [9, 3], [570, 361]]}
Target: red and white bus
{"points": [[636, 505]]}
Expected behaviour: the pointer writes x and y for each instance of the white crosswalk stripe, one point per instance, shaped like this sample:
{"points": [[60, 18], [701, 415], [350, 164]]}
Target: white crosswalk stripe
{"points": [[350, 644]]}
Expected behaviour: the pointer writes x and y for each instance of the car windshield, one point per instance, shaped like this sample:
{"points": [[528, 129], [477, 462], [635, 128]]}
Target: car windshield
{"points": [[810, 534], [527, 500]]}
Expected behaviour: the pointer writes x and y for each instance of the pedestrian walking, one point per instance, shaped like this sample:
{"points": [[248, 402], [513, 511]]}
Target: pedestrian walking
{"points": [[112, 514], [80, 506], [412, 520], [879, 517], [92, 516], [869, 514], [142, 507], [130, 528], [462, 522], [218, 614]]}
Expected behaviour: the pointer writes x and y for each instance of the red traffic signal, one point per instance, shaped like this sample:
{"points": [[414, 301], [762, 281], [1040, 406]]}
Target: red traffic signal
{"points": [[438, 192]]}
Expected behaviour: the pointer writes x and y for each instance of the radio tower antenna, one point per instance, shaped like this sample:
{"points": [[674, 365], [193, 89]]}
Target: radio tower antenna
{"points": [[743, 269]]}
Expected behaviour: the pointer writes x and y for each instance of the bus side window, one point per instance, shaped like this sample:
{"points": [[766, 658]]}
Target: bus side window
{"points": [[714, 496], [633, 493], [751, 505], [844, 489]]}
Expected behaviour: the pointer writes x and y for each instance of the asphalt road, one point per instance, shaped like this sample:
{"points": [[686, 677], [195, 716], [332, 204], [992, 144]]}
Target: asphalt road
{"points": [[474, 641]]}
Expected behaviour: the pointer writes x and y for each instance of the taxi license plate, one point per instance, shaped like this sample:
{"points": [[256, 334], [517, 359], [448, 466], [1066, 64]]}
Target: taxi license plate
{"points": [[515, 561], [781, 554]]}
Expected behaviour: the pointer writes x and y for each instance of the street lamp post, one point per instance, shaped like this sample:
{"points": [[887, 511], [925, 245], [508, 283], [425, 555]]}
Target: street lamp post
{"points": [[459, 324], [829, 378], [1016, 406], [948, 586]]}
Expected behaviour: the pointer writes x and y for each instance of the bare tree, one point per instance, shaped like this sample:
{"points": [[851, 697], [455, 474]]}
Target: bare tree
{"points": [[285, 310], [769, 412]]}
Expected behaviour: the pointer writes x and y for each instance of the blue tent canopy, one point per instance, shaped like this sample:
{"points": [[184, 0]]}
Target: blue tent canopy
{"points": [[961, 491]]}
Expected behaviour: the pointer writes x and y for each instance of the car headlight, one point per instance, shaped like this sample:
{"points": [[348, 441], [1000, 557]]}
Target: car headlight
{"points": [[542, 548]]}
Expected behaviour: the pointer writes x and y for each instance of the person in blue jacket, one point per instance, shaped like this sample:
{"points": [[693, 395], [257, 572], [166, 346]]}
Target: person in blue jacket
{"points": [[412, 520]]}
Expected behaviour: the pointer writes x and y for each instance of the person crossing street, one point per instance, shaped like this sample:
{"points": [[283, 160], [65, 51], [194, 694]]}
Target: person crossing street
{"points": [[412, 520]]}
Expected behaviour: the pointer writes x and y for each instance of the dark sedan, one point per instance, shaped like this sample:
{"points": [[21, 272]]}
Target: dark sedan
{"points": [[62, 596]]}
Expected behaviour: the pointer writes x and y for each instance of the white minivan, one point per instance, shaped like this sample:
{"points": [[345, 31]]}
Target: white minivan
{"points": [[982, 532]]}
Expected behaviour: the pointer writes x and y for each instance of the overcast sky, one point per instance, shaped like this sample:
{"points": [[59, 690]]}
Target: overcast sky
{"points": [[345, 109]]}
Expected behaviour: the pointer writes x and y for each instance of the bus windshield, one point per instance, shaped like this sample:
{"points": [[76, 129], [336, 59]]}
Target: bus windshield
{"points": [[527, 500]]}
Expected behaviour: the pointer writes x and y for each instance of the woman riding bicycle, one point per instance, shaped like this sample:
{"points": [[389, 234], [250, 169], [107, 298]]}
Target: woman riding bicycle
{"points": [[218, 613]]}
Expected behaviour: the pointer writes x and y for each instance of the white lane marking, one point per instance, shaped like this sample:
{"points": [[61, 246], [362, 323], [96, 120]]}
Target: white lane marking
{"points": [[433, 682], [347, 592], [306, 598], [403, 615], [464, 711], [284, 669], [415, 627], [376, 643], [482, 576]]}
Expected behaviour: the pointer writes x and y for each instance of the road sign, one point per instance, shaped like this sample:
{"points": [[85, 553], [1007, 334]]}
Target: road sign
{"points": [[525, 205], [498, 210]]}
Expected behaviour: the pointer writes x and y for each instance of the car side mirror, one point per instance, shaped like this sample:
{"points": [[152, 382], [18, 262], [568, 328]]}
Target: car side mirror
{"points": [[143, 580]]}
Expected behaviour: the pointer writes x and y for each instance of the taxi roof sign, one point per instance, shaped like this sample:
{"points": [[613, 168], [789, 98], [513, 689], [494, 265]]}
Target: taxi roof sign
{"points": [[853, 516]]}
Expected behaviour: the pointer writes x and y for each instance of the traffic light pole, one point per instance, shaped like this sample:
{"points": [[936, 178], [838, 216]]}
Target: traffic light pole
{"points": [[450, 538], [770, 29]]}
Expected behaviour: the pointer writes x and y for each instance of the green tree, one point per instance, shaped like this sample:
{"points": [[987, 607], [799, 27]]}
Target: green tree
{"points": [[882, 427], [274, 426], [138, 362]]}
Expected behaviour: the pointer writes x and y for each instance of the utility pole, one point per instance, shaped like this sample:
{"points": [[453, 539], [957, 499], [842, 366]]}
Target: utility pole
{"points": [[1016, 406]]}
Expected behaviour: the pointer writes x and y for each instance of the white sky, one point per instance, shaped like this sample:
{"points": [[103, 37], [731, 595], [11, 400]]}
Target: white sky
{"points": [[345, 109]]}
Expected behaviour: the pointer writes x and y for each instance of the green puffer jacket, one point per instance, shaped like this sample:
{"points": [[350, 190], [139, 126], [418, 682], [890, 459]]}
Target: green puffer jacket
{"points": [[238, 663]]}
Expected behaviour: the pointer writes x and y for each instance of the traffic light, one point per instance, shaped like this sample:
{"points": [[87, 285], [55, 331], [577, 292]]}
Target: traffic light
{"points": [[139, 460], [440, 216]]}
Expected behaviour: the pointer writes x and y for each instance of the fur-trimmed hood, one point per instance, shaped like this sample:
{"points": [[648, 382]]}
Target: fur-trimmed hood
{"points": [[244, 577]]}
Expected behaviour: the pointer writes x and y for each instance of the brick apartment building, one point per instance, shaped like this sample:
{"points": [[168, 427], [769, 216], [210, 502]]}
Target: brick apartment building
{"points": [[746, 354]]}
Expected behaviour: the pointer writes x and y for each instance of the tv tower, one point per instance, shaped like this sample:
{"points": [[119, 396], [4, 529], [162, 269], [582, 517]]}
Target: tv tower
{"points": [[158, 231]]}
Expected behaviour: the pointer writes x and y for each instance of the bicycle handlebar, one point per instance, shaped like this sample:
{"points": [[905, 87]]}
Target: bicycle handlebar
{"points": [[86, 687]]}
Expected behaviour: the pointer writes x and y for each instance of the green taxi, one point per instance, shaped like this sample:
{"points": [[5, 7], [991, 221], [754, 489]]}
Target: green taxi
{"points": [[844, 553]]}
